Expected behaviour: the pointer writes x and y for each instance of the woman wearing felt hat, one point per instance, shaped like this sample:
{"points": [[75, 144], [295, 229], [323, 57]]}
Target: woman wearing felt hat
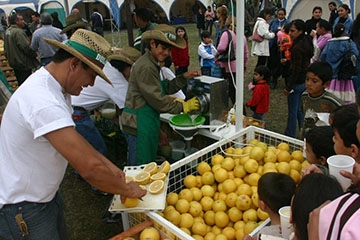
{"points": [[146, 97], [38, 140]]}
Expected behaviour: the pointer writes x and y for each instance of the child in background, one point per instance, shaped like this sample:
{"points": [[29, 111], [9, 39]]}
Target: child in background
{"points": [[166, 73], [260, 100], [316, 99], [180, 57], [275, 191], [312, 191], [206, 52], [319, 146]]}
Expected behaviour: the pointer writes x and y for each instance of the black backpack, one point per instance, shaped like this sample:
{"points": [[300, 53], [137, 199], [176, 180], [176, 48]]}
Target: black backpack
{"points": [[348, 64]]}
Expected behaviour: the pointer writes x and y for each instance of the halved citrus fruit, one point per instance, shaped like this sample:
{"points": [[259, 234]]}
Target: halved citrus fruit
{"points": [[151, 168], [131, 202], [158, 176], [164, 167], [156, 186], [129, 179], [143, 178]]}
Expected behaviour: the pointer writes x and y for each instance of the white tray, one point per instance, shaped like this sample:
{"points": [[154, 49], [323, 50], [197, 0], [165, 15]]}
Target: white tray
{"points": [[151, 202]]}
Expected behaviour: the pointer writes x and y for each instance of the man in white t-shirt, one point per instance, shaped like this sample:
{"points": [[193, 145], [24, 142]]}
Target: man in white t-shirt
{"points": [[38, 140]]}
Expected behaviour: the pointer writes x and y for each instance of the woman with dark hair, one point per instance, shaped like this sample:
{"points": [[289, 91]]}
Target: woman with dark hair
{"points": [[320, 38], [344, 18], [301, 53], [261, 49], [334, 53], [274, 59], [355, 36], [180, 57], [316, 16]]}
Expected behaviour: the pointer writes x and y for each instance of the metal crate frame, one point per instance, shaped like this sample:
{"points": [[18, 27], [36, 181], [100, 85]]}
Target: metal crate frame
{"points": [[188, 165]]}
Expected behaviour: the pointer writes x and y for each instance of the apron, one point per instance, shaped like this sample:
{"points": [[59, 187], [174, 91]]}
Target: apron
{"points": [[148, 130]]}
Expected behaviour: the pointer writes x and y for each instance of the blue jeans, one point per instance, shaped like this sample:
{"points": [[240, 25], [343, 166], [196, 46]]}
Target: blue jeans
{"points": [[294, 111], [44, 220], [258, 116], [131, 142], [89, 131]]}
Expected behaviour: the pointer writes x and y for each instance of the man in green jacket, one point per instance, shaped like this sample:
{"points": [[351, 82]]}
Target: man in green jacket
{"points": [[146, 96], [17, 49]]}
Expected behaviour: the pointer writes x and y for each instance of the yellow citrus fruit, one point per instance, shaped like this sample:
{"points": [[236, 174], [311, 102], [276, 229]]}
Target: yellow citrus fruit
{"points": [[294, 164], [253, 179], [267, 170], [173, 216], [263, 145], [197, 194], [210, 236], [253, 142], [255, 199], [229, 186], [254, 189], [156, 186], [221, 219], [186, 230], [249, 227], [215, 167], [238, 181], [186, 220], [260, 170], [262, 215], [239, 224], [208, 178], [221, 175], [250, 215], [243, 160], [295, 175], [206, 203], [251, 166], [168, 209], [199, 228], [229, 151], [215, 229], [247, 149], [129, 179], [172, 198], [182, 206], [298, 156], [207, 190], [142, 178], [197, 237], [230, 199], [209, 217], [239, 233], [305, 164], [270, 156], [269, 165], [164, 167], [219, 205], [283, 156], [158, 176], [203, 167], [237, 152], [244, 189], [283, 167], [195, 209], [190, 181], [243, 202], [186, 194], [216, 159], [152, 168], [131, 202], [228, 164], [283, 146], [239, 171], [257, 153], [198, 182], [150, 233], [234, 214], [229, 233], [199, 219]]}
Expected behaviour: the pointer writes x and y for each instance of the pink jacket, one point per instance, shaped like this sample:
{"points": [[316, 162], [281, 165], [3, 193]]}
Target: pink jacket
{"points": [[223, 43]]}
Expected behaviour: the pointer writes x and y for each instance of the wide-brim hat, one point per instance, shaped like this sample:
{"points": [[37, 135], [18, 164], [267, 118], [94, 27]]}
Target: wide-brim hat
{"points": [[89, 47], [74, 21], [126, 54], [166, 34]]}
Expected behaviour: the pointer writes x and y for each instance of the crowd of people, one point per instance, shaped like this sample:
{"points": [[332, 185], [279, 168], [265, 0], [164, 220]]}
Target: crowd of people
{"points": [[47, 123]]}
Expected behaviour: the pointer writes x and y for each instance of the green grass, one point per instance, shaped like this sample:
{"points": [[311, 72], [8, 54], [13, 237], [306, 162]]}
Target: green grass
{"points": [[84, 211]]}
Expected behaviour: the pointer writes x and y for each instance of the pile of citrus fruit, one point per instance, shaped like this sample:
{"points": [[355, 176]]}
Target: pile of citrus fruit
{"points": [[153, 176], [221, 200]]}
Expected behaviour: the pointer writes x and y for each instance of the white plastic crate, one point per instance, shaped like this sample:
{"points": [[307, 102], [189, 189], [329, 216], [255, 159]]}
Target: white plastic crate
{"points": [[188, 165]]}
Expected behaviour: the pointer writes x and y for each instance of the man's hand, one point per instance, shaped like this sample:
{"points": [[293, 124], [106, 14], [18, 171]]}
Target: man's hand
{"points": [[133, 191], [311, 169], [191, 74]]}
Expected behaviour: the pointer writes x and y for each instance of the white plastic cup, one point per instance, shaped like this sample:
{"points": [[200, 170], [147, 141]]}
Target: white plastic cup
{"points": [[341, 162], [286, 226]]}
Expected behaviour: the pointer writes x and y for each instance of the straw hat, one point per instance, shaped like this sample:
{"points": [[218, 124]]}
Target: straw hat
{"points": [[74, 21], [126, 54], [89, 47], [166, 34]]}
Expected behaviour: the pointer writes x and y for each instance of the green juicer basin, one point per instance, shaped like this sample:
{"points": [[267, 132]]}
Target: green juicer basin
{"points": [[184, 120]]}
